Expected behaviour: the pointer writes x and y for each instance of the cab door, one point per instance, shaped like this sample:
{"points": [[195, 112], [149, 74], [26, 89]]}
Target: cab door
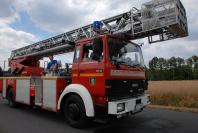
{"points": [[91, 67]]}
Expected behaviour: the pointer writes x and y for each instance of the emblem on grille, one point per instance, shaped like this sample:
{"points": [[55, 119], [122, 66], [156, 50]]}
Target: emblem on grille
{"points": [[125, 81]]}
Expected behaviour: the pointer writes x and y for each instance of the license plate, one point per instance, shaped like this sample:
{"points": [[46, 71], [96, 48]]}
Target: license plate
{"points": [[138, 107]]}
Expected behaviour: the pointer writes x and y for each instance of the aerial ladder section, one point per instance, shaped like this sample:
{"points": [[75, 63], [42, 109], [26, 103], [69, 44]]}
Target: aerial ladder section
{"points": [[161, 19]]}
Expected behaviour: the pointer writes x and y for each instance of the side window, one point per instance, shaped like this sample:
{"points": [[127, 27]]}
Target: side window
{"points": [[77, 54], [93, 51], [87, 52]]}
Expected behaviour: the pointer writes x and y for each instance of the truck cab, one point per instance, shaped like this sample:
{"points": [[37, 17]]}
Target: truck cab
{"points": [[112, 69]]}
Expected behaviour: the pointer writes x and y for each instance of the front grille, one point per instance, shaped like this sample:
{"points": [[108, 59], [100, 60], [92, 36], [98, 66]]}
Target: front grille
{"points": [[124, 88]]}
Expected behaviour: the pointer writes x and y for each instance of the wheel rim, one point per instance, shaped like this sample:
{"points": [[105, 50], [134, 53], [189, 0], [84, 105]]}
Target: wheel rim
{"points": [[74, 111]]}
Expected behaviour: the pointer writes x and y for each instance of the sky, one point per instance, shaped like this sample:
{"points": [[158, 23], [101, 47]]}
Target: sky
{"points": [[23, 22]]}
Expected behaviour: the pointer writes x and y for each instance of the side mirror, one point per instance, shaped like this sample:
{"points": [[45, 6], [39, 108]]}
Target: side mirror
{"points": [[95, 57], [97, 49]]}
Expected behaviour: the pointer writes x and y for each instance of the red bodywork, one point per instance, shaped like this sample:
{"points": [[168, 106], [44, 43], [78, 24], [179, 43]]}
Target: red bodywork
{"points": [[25, 66], [1, 85]]}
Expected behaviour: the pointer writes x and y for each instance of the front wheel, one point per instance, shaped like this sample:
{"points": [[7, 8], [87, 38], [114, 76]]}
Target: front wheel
{"points": [[74, 112]]}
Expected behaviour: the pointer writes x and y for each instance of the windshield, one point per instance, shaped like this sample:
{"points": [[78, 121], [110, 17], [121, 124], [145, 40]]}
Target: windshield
{"points": [[125, 53]]}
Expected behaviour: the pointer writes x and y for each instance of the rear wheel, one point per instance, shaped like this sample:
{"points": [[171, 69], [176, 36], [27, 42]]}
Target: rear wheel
{"points": [[74, 112], [11, 99]]}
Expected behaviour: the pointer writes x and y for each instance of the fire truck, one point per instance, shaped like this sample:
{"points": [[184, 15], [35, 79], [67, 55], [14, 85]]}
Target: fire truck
{"points": [[108, 72]]}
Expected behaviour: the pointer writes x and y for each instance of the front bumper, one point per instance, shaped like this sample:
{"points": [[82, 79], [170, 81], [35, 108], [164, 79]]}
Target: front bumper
{"points": [[131, 105]]}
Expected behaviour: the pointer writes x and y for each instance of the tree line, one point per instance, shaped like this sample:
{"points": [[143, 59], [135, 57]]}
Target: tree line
{"points": [[174, 68]]}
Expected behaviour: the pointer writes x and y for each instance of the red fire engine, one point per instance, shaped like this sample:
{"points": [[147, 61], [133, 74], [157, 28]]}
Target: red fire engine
{"points": [[108, 71]]}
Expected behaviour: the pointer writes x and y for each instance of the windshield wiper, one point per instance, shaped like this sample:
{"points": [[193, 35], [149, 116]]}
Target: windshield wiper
{"points": [[135, 65]]}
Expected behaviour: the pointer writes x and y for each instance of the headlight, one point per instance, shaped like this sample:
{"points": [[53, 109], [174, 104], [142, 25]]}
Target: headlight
{"points": [[120, 107]]}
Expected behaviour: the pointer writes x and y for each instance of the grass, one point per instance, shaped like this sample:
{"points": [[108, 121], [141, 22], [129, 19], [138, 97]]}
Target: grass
{"points": [[174, 93]]}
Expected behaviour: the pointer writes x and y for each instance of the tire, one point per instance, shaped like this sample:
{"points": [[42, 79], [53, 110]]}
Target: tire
{"points": [[74, 112], [11, 99]]}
